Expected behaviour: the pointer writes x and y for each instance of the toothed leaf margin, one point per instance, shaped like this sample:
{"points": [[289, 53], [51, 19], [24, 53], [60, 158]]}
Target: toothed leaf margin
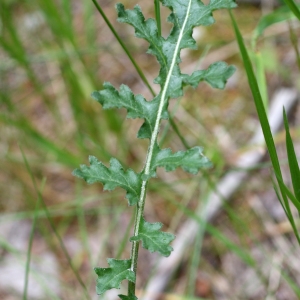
{"points": [[111, 177], [112, 277], [191, 160], [153, 239]]}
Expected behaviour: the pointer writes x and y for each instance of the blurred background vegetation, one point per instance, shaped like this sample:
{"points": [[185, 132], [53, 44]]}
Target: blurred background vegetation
{"points": [[53, 54]]}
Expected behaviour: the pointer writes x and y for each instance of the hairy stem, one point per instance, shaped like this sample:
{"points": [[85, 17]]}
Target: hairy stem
{"points": [[141, 203]]}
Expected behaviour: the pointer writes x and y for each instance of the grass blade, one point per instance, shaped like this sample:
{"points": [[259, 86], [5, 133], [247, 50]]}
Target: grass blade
{"points": [[157, 16], [293, 7], [195, 261], [36, 209], [291, 196], [261, 79], [65, 251], [277, 192], [62, 155], [293, 163], [263, 121], [41, 201], [257, 99]]}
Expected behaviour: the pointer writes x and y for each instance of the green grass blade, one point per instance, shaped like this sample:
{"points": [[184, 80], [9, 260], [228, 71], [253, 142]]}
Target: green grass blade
{"points": [[36, 209], [262, 118], [90, 24], [64, 249], [257, 99], [11, 43], [293, 162], [6, 246], [28, 258], [294, 286], [293, 7], [277, 192], [59, 19], [62, 155], [58, 22], [157, 16], [67, 13], [261, 79], [138, 69], [291, 197], [195, 261]]}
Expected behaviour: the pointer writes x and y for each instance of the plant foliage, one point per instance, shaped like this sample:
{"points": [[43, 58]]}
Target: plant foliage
{"points": [[282, 192], [112, 177], [109, 278], [153, 239], [185, 15]]}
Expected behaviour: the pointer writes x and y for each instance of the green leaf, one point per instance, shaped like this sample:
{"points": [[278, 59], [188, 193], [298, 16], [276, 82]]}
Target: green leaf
{"points": [[185, 15], [153, 239], [292, 158], [216, 75], [191, 160], [294, 200], [131, 297], [166, 50], [112, 277], [264, 122], [111, 177], [136, 106], [291, 218], [262, 115], [293, 7]]}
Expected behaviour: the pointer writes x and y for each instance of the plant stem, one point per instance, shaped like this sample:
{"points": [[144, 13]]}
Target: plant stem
{"points": [[135, 244], [141, 204]]}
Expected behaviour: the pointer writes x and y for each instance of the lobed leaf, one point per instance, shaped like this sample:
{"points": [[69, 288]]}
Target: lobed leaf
{"points": [[166, 50], [136, 106], [216, 75], [111, 177], [191, 160], [185, 16], [153, 239], [112, 277]]}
